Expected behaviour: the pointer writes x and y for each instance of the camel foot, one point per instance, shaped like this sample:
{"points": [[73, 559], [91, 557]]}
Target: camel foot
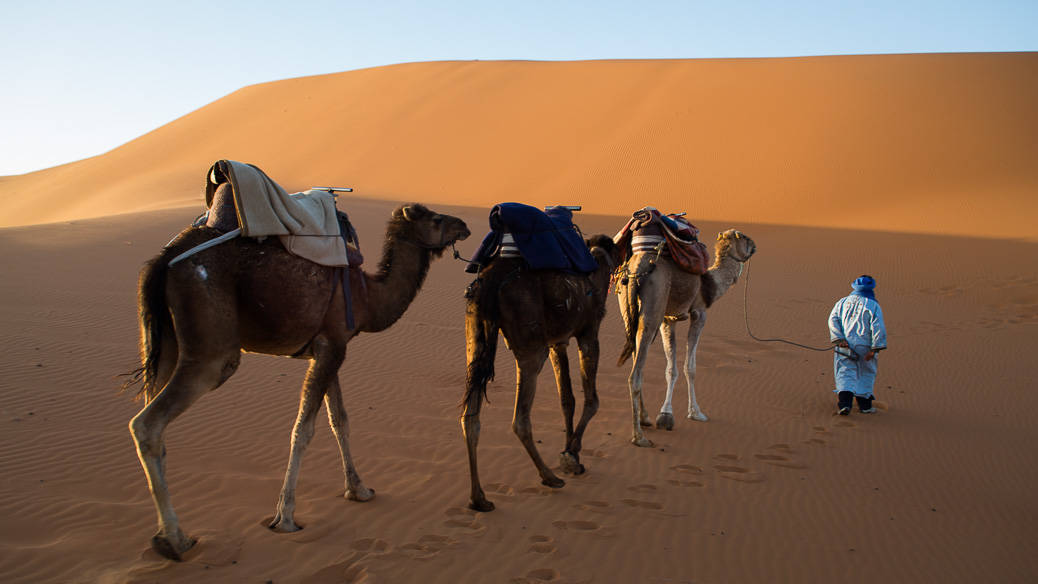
{"points": [[570, 463], [283, 525], [360, 494], [172, 548], [483, 506], [645, 423], [697, 416], [642, 442], [553, 482], [665, 421]]}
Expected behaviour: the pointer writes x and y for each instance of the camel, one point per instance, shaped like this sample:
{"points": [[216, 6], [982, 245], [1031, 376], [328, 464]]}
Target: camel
{"points": [[250, 294], [655, 294], [538, 311]]}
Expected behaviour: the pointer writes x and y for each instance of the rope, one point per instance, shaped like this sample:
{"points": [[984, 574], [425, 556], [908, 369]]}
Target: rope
{"points": [[746, 318]]}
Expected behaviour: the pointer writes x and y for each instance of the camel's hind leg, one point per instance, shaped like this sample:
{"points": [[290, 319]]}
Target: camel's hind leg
{"points": [[470, 427], [190, 380], [355, 489], [323, 367], [649, 322], [529, 366], [587, 345], [560, 365]]}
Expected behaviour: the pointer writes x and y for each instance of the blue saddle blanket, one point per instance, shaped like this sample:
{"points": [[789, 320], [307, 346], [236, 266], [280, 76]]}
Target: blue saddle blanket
{"points": [[547, 240]]}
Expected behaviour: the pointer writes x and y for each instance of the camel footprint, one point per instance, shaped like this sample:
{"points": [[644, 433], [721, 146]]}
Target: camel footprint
{"points": [[539, 575], [643, 488], [542, 544], [642, 504], [463, 519], [596, 506], [427, 546], [576, 525], [681, 483]]}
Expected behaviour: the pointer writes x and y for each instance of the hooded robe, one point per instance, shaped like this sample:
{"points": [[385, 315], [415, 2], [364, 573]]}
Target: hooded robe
{"points": [[857, 319]]}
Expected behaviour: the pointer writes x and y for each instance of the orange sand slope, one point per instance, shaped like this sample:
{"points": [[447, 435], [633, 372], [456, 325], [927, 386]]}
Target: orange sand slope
{"points": [[915, 143], [937, 487]]}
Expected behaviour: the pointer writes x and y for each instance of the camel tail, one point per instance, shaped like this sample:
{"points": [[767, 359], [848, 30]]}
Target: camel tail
{"points": [[154, 319], [481, 332], [630, 313]]}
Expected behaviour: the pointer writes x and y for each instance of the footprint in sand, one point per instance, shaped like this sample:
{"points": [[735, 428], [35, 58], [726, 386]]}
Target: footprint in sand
{"points": [[370, 544], [779, 460], [738, 473], [595, 453], [643, 488], [642, 504], [727, 456], [687, 468], [539, 575], [427, 546], [576, 525], [499, 489], [542, 544], [597, 506], [680, 483], [818, 441], [463, 519]]}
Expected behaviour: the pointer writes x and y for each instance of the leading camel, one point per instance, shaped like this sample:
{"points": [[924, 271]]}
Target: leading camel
{"points": [[538, 311], [655, 294], [198, 316]]}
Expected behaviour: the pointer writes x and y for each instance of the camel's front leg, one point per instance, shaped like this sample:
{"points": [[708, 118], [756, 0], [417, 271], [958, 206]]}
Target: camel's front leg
{"points": [[589, 351], [560, 365], [695, 331], [337, 419], [665, 419], [528, 367], [323, 367]]}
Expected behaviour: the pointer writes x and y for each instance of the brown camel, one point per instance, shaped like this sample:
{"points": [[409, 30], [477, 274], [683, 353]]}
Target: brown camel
{"points": [[657, 294], [537, 311], [253, 295]]}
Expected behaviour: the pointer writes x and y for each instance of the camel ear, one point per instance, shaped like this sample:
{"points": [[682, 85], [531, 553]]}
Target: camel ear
{"points": [[408, 213], [720, 236], [737, 235]]}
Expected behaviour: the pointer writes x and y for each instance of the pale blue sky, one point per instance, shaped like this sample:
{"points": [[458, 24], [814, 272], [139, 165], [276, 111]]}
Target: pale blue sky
{"points": [[82, 77]]}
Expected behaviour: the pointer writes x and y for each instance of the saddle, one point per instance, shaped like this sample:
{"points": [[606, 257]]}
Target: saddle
{"points": [[241, 200], [650, 231], [546, 240]]}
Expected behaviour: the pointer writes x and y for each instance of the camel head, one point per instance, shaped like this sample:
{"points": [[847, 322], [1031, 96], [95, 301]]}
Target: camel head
{"points": [[734, 244], [604, 250], [426, 228]]}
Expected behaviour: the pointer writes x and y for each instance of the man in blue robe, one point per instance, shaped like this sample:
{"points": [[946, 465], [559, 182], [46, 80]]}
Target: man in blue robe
{"points": [[856, 329]]}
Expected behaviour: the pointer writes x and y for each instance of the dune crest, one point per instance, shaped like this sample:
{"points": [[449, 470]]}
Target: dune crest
{"points": [[935, 143]]}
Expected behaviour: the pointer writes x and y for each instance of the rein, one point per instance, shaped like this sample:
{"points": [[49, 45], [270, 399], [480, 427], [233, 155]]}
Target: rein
{"points": [[746, 318]]}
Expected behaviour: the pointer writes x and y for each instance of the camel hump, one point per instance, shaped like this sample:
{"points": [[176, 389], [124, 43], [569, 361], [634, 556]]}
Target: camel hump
{"points": [[547, 240]]}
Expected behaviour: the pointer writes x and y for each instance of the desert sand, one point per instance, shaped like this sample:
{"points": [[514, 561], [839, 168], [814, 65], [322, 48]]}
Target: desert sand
{"points": [[936, 487]]}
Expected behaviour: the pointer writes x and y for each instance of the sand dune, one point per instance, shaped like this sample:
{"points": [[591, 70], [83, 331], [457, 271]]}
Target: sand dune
{"points": [[911, 143]]}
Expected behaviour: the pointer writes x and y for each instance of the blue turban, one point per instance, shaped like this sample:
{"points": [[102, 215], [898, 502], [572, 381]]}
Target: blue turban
{"points": [[864, 286]]}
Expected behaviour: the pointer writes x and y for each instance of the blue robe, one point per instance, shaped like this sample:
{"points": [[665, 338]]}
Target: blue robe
{"points": [[858, 320]]}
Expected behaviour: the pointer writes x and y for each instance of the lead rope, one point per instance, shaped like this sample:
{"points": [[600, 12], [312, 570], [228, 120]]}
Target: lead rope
{"points": [[746, 318]]}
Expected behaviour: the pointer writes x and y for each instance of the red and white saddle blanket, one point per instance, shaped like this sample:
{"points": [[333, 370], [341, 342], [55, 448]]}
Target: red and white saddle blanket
{"points": [[650, 231]]}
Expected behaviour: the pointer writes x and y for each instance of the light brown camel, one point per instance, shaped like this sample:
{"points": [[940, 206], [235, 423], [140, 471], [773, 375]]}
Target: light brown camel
{"points": [[253, 295], [538, 311], [654, 298]]}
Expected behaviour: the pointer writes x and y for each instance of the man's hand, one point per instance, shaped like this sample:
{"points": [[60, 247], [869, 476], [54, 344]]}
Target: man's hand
{"points": [[870, 355], [842, 344]]}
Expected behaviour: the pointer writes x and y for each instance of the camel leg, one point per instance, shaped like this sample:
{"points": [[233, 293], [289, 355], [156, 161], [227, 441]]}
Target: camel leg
{"points": [[470, 427], [665, 419], [337, 419], [560, 365], [650, 320], [189, 381], [529, 366], [695, 330], [589, 351], [323, 367]]}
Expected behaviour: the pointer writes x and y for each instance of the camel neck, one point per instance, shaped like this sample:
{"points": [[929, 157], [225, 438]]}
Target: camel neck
{"points": [[726, 271], [402, 271]]}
